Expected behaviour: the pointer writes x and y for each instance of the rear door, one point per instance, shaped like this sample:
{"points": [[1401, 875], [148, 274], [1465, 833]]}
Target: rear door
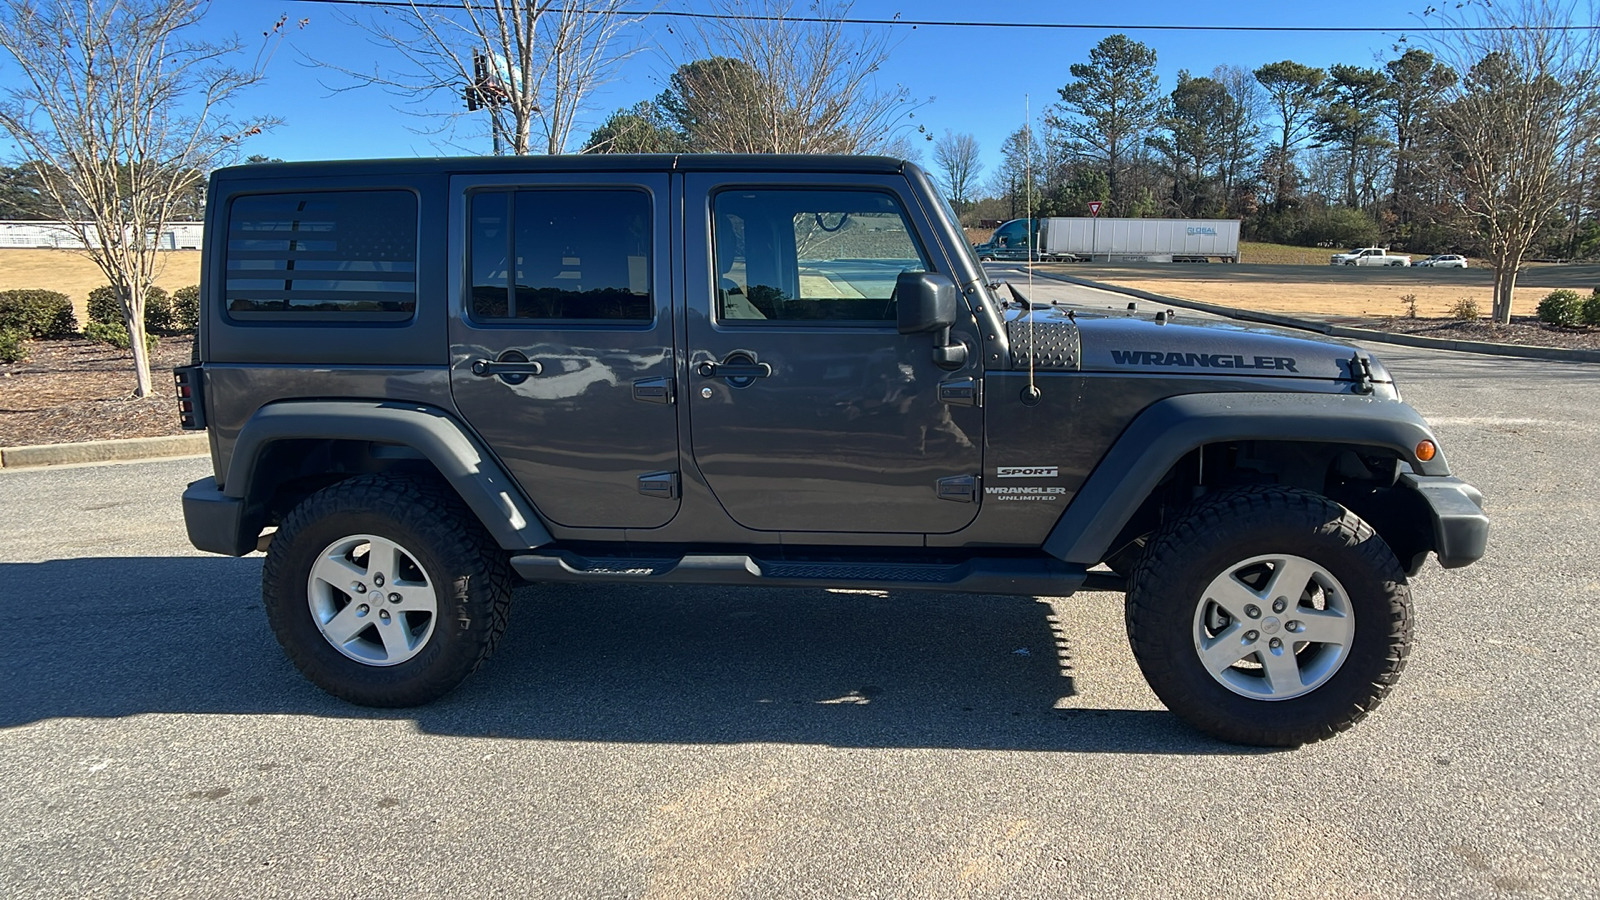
{"points": [[808, 410], [561, 345]]}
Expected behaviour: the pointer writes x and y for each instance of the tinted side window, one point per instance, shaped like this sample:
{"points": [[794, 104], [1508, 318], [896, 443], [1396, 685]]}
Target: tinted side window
{"points": [[813, 256], [325, 254], [571, 255]]}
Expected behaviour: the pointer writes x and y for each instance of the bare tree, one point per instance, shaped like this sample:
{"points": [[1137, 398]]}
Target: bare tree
{"points": [[956, 155], [1526, 105], [579, 57], [531, 66], [1021, 161], [765, 82], [120, 113], [1243, 129]]}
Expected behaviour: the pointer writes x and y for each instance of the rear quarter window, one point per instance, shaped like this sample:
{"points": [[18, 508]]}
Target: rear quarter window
{"points": [[339, 256]]}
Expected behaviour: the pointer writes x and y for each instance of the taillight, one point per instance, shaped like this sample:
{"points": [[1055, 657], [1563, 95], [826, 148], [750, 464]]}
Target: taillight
{"points": [[191, 408]]}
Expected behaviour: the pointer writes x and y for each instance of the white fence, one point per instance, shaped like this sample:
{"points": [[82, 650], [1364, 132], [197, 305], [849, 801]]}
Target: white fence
{"points": [[56, 236]]}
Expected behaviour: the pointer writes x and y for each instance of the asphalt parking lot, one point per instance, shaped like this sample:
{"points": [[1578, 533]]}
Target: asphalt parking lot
{"points": [[687, 742]]}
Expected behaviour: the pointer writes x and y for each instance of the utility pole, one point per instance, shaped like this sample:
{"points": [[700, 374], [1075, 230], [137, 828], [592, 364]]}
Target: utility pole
{"points": [[485, 92]]}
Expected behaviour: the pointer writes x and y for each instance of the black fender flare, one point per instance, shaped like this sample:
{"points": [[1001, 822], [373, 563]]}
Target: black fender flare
{"points": [[1168, 429], [468, 467]]}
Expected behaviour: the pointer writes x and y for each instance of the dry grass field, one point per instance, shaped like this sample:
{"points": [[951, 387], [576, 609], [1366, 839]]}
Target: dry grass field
{"points": [[71, 272], [1316, 297], [1364, 293], [1255, 253]]}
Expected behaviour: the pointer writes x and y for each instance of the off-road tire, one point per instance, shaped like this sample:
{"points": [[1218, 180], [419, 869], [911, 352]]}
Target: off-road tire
{"points": [[1222, 529], [472, 585]]}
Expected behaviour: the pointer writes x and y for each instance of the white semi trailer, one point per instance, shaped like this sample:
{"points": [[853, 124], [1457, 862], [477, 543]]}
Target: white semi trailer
{"points": [[1117, 240]]}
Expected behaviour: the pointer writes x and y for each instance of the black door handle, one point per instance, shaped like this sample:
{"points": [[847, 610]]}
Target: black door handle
{"points": [[734, 370], [483, 368]]}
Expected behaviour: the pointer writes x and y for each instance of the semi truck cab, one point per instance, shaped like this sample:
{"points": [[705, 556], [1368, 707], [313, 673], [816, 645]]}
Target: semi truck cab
{"points": [[1010, 241]]}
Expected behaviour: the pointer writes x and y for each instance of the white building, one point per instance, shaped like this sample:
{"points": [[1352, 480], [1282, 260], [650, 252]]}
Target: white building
{"points": [[56, 236]]}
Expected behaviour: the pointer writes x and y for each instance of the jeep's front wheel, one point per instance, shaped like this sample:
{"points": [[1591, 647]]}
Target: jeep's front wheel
{"points": [[1269, 616], [385, 590]]}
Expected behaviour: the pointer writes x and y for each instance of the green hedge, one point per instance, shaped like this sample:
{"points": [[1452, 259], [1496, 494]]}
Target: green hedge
{"points": [[186, 307], [37, 314], [116, 335], [13, 345], [1591, 310], [1562, 308], [106, 309]]}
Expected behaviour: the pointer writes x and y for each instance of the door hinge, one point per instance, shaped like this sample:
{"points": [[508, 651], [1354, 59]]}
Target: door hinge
{"points": [[963, 392], [659, 484], [959, 488], [653, 390]]}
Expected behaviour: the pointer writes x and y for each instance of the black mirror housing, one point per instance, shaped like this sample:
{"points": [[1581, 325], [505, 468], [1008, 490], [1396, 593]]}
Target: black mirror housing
{"points": [[926, 302]]}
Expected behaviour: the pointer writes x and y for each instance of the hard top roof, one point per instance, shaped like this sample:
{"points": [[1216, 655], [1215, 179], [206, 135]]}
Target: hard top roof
{"points": [[572, 162]]}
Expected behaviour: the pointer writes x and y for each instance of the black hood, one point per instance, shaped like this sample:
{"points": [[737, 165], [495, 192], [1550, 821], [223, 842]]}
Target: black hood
{"points": [[1141, 344]]}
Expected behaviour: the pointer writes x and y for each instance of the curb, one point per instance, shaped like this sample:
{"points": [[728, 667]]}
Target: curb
{"points": [[126, 450], [1359, 334]]}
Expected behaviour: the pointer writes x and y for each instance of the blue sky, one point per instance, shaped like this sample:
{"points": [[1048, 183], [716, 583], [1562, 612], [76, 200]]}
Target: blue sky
{"points": [[978, 77]]}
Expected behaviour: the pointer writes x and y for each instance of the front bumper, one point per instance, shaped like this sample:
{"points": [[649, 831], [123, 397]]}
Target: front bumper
{"points": [[215, 521], [1460, 529]]}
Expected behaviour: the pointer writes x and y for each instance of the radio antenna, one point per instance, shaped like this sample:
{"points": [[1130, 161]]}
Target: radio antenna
{"points": [[1032, 395]]}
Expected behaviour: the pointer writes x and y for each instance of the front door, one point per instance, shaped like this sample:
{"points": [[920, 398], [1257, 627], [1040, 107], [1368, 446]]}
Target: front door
{"points": [[562, 355], [808, 410]]}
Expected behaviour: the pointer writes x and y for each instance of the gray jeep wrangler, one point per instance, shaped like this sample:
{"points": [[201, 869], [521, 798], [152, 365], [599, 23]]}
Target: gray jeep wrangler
{"points": [[427, 380]]}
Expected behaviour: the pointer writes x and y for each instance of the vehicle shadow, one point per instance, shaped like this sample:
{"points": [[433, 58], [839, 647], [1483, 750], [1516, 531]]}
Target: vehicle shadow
{"points": [[109, 637]]}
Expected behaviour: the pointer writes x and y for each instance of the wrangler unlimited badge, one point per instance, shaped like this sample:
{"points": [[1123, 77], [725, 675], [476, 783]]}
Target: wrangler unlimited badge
{"points": [[1025, 493]]}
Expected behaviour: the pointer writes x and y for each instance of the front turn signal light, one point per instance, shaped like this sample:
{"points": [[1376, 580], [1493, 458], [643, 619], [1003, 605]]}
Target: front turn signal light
{"points": [[1426, 450]]}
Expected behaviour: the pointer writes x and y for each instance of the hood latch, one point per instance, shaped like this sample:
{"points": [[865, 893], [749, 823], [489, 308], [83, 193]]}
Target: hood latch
{"points": [[1361, 374]]}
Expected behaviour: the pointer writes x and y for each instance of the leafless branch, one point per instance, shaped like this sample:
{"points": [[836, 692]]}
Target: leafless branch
{"points": [[763, 82], [527, 67], [1526, 107], [120, 114]]}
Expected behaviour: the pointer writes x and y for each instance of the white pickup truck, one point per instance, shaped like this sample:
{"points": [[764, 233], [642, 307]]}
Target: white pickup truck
{"points": [[1368, 256]]}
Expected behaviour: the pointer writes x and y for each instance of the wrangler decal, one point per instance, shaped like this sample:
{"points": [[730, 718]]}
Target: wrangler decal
{"points": [[1201, 360]]}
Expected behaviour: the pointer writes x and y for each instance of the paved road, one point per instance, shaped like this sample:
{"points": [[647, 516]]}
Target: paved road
{"points": [[699, 742]]}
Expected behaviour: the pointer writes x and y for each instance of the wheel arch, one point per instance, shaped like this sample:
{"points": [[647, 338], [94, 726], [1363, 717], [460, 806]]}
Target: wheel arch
{"points": [[290, 449], [1176, 434]]}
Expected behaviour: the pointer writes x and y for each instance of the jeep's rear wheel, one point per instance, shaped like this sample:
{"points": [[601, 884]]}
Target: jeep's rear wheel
{"points": [[385, 590], [371, 617], [1269, 616]]}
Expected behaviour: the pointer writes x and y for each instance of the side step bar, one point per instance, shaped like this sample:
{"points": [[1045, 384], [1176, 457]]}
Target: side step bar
{"points": [[1040, 576]]}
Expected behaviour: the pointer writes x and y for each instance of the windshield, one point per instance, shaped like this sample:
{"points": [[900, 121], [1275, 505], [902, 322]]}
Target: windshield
{"points": [[949, 213]]}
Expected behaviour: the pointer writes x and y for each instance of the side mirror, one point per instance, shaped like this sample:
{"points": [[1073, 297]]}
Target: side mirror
{"points": [[926, 303]]}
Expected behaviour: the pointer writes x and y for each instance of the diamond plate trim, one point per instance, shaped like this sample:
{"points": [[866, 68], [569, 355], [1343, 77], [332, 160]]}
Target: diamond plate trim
{"points": [[1055, 345]]}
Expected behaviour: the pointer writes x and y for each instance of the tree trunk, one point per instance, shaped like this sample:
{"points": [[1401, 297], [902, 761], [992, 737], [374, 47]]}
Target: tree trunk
{"points": [[133, 320], [1283, 170], [141, 361], [1112, 182], [1505, 285]]}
